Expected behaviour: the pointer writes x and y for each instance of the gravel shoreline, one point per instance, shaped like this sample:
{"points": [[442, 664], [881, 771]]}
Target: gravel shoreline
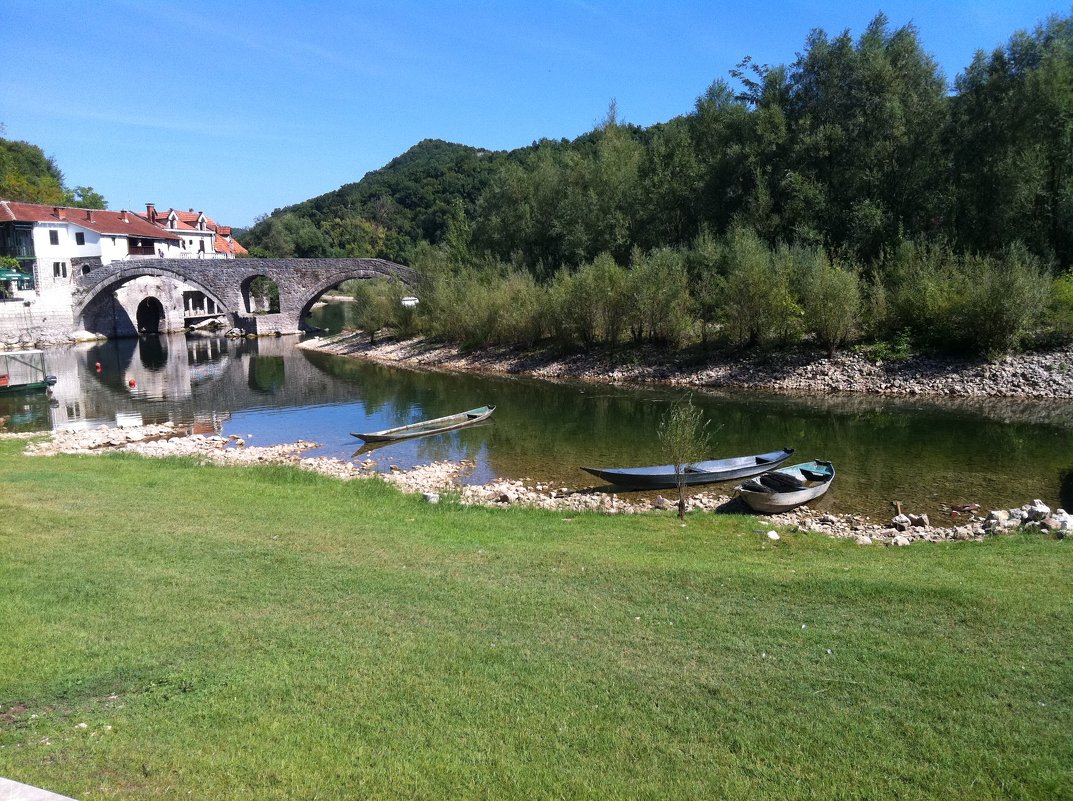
{"points": [[432, 480], [1035, 376]]}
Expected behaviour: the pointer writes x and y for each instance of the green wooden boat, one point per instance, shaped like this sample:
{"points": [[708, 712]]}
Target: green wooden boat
{"points": [[23, 370]]}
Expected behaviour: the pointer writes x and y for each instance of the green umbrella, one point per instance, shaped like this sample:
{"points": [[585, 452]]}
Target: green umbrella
{"points": [[12, 275]]}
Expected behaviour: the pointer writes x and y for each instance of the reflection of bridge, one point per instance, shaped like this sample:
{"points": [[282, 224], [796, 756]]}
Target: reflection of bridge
{"points": [[183, 380], [101, 307]]}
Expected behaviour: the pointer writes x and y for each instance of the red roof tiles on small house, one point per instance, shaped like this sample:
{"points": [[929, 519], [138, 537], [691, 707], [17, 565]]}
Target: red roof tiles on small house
{"points": [[108, 223], [188, 221]]}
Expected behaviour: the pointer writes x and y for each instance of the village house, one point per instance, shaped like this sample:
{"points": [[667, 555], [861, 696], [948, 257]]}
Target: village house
{"points": [[53, 244], [200, 237]]}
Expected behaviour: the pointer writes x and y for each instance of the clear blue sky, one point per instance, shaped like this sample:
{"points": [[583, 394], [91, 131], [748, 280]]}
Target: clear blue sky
{"points": [[238, 108]]}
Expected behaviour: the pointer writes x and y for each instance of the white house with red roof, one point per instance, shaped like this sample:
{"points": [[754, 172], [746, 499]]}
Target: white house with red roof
{"points": [[53, 244], [200, 236]]}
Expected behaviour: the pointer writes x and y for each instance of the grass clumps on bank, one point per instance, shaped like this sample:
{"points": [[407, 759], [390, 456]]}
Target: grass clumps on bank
{"points": [[263, 632]]}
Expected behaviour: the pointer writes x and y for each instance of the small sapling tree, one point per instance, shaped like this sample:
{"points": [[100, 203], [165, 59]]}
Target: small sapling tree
{"points": [[683, 435]]}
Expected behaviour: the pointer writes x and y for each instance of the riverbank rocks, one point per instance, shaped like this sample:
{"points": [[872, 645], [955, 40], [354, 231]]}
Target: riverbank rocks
{"points": [[1036, 515], [439, 478], [805, 370]]}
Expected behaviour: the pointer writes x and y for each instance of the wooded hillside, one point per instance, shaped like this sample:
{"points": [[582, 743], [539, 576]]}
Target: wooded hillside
{"points": [[857, 146], [27, 175]]}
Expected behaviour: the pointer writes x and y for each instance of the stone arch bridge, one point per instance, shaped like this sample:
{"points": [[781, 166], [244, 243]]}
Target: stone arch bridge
{"points": [[112, 298]]}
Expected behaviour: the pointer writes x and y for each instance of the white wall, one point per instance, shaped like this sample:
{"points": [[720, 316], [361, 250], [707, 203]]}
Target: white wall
{"points": [[48, 254], [112, 250]]}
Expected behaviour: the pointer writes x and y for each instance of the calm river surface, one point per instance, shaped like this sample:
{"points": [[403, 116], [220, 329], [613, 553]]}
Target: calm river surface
{"points": [[923, 453]]}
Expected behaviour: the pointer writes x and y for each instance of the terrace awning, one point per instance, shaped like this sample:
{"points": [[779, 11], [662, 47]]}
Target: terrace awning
{"points": [[12, 275]]}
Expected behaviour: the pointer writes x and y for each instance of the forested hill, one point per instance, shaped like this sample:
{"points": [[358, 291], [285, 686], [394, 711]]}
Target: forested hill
{"points": [[388, 211], [27, 175], [858, 146]]}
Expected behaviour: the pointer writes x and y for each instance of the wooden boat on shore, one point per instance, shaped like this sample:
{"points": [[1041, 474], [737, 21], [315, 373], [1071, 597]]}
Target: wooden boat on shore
{"points": [[783, 489], [428, 427], [707, 472]]}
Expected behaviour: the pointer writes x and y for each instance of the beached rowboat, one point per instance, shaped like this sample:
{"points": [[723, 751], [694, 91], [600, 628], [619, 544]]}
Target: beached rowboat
{"points": [[779, 490], [707, 472], [427, 427]]}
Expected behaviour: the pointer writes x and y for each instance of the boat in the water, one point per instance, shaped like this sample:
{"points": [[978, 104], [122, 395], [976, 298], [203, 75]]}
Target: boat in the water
{"points": [[23, 370], [428, 427], [783, 489], [664, 476]]}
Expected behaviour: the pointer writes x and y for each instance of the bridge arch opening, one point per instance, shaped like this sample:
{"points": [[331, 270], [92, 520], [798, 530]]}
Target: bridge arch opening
{"points": [[261, 295], [150, 316]]}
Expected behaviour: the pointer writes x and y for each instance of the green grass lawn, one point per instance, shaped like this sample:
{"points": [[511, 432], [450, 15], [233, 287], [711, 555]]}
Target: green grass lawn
{"points": [[266, 633]]}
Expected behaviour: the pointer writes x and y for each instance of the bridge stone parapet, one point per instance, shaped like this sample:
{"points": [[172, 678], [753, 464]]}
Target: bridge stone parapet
{"points": [[227, 283]]}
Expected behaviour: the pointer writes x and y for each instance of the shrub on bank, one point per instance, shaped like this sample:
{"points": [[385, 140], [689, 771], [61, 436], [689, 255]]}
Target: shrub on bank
{"points": [[965, 304], [756, 304], [589, 305], [830, 297], [658, 301], [379, 304], [921, 296]]}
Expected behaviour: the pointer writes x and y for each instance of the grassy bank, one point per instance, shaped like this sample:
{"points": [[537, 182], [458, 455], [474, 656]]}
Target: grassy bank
{"points": [[266, 633]]}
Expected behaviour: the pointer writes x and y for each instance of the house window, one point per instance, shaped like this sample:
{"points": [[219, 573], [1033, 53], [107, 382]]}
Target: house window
{"points": [[54, 237], [59, 269], [80, 238]]}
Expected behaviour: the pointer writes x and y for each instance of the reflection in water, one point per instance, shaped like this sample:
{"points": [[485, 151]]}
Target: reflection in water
{"points": [[1065, 489], [266, 374], [152, 352], [923, 453]]}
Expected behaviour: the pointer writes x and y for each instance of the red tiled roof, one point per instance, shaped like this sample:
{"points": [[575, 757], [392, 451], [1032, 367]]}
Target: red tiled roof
{"points": [[109, 223], [187, 221], [221, 245]]}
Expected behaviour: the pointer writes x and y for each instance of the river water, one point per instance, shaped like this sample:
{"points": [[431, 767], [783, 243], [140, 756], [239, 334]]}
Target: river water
{"points": [[925, 453]]}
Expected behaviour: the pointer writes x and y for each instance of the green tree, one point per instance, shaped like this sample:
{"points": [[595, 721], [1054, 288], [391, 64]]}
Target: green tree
{"points": [[659, 306], [1011, 141], [830, 297], [84, 197], [592, 302], [379, 302], [684, 438], [865, 122], [757, 304], [27, 175]]}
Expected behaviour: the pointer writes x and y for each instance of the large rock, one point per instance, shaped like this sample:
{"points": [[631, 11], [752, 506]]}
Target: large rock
{"points": [[1037, 510]]}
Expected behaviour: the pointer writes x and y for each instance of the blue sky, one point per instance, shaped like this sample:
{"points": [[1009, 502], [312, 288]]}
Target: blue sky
{"points": [[239, 108]]}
